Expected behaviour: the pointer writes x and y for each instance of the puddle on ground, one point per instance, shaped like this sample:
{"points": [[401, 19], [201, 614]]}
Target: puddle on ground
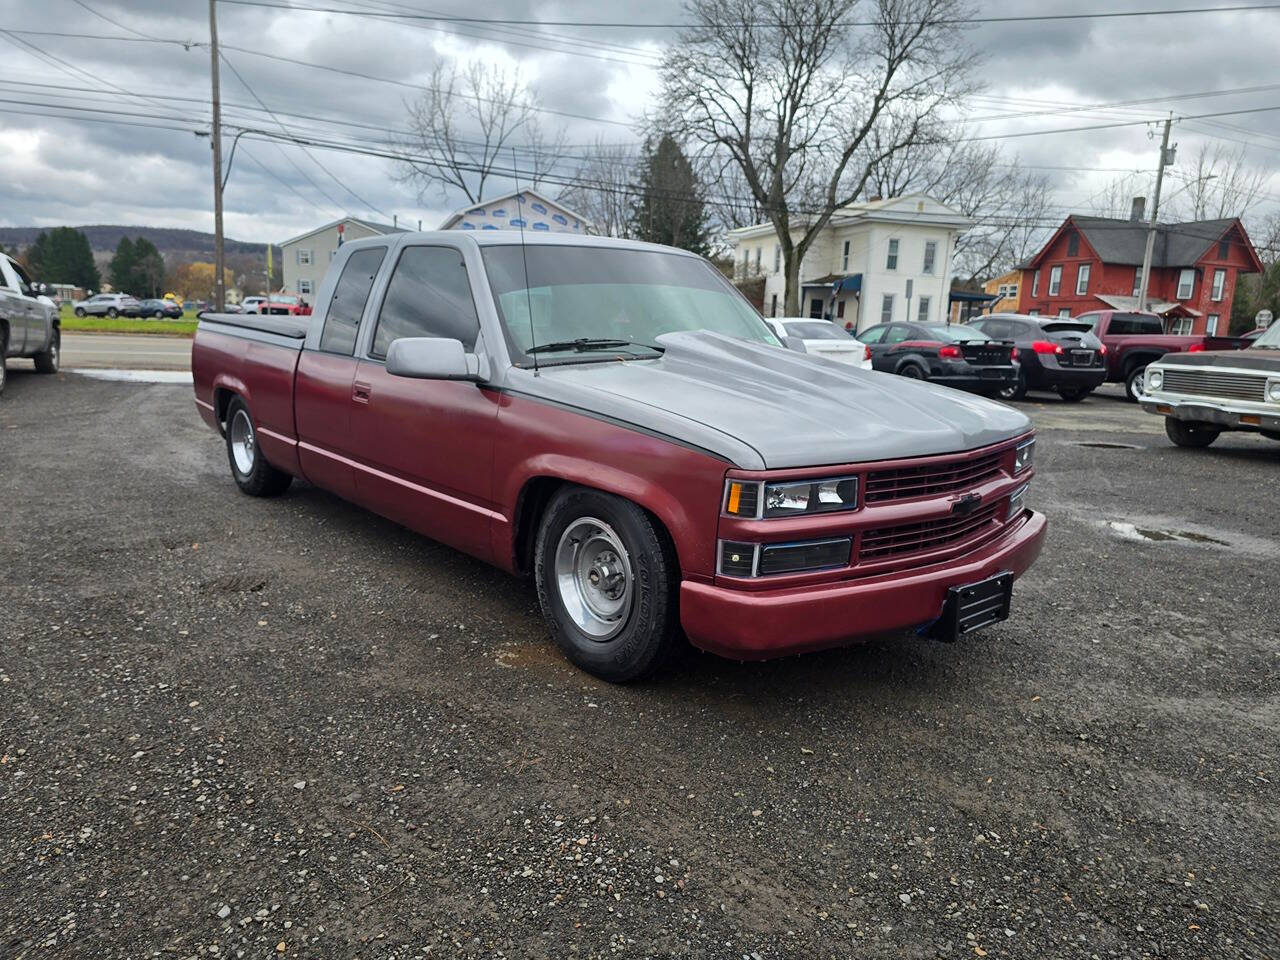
{"points": [[1131, 531], [1105, 445]]}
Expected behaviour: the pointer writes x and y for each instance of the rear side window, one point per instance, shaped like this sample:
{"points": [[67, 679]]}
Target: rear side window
{"points": [[1130, 323], [1067, 327], [349, 298], [429, 296]]}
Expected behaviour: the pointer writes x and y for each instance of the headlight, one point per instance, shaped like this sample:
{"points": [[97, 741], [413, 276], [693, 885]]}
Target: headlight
{"points": [[810, 496], [1273, 391], [1024, 455], [1017, 502], [1155, 379]]}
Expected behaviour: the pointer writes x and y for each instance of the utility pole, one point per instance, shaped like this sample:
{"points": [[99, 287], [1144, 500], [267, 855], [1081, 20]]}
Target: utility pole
{"points": [[1165, 159], [219, 261]]}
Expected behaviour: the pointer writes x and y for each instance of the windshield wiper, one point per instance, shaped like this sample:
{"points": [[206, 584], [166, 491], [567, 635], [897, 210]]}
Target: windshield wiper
{"points": [[583, 344]]}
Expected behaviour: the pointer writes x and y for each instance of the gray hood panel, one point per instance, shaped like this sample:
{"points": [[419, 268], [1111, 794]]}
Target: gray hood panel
{"points": [[760, 407]]}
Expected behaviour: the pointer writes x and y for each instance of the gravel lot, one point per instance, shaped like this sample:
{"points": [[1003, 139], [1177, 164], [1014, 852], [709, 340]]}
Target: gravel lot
{"points": [[235, 728]]}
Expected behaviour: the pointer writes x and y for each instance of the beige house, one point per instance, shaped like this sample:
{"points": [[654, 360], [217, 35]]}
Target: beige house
{"points": [[305, 258], [873, 262]]}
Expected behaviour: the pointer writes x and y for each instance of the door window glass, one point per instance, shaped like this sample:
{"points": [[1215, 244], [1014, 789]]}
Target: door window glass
{"points": [[874, 335], [897, 333], [349, 297], [429, 296]]}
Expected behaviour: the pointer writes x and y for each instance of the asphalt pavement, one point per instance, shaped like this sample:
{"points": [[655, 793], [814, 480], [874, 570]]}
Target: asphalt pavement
{"points": [[248, 728], [124, 351]]}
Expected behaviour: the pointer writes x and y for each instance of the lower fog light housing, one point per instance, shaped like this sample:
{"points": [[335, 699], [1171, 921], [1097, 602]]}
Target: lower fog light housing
{"points": [[804, 557], [738, 559]]}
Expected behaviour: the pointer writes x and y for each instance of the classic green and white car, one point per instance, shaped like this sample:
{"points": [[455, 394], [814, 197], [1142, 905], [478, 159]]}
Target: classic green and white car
{"points": [[1202, 394]]}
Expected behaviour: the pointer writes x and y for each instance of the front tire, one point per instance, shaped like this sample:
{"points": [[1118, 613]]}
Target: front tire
{"points": [[159, 314], [1188, 433], [79, 311], [47, 361], [249, 468], [1133, 383], [112, 312], [608, 584]]}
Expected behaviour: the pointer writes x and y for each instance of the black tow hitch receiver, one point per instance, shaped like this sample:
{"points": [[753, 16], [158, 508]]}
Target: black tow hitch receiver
{"points": [[973, 606]]}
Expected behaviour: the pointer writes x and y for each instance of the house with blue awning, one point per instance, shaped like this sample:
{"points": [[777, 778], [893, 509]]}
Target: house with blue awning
{"points": [[873, 262]]}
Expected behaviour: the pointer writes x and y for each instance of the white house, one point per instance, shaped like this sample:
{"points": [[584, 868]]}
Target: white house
{"points": [[305, 258], [520, 208], [873, 262]]}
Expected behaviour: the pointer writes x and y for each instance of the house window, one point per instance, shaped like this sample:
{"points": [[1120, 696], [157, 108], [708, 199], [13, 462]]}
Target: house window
{"points": [[1073, 244], [1055, 280], [815, 308], [922, 314], [304, 255], [1219, 284], [1033, 313], [1035, 284], [930, 255], [304, 286], [758, 249], [844, 258], [1186, 283], [777, 258], [1137, 281], [773, 306], [1211, 327], [891, 261], [840, 310], [1082, 279], [1064, 313], [1181, 327], [886, 307], [1224, 249], [746, 262]]}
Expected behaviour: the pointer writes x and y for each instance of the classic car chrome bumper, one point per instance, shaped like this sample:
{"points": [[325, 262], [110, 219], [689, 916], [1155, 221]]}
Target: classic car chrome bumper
{"points": [[1228, 414]]}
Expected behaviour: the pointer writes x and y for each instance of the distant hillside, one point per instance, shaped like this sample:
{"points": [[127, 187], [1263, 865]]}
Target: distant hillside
{"points": [[103, 238]]}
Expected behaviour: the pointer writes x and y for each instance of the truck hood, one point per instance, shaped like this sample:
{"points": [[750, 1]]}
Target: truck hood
{"points": [[761, 407], [1250, 359]]}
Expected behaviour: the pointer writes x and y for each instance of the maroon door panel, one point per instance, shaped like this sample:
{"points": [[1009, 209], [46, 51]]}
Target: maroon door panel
{"points": [[323, 401], [423, 452]]}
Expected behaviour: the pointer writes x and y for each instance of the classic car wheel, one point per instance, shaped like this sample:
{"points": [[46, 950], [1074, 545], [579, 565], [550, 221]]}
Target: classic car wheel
{"points": [[1014, 391], [4, 370], [249, 467], [607, 582], [112, 312], [79, 311], [47, 360], [1133, 383], [1073, 394], [1187, 433]]}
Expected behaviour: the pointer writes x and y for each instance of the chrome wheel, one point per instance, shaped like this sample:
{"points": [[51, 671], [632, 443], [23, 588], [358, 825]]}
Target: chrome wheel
{"points": [[594, 578], [243, 442], [53, 354]]}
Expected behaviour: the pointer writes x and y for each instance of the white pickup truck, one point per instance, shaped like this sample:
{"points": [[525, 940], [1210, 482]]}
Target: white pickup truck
{"points": [[28, 321]]}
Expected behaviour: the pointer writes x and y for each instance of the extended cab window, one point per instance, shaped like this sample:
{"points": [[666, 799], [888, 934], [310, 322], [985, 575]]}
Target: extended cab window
{"points": [[429, 296], [349, 298], [1135, 323]]}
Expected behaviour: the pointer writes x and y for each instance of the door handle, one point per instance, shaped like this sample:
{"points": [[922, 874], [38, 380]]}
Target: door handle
{"points": [[360, 392]]}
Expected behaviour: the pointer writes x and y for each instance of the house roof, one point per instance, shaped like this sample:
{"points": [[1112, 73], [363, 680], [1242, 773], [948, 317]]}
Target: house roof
{"points": [[373, 225], [1125, 241], [528, 192]]}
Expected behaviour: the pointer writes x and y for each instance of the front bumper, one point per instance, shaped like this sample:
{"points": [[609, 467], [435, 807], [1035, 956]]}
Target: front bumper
{"points": [[759, 624], [1228, 416]]}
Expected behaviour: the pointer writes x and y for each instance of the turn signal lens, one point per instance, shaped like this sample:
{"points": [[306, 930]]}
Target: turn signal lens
{"points": [[1017, 502], [742, 498]]}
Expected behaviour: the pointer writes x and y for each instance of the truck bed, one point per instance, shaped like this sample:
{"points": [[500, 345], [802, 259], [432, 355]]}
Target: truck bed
{"points": [[292, 328]]}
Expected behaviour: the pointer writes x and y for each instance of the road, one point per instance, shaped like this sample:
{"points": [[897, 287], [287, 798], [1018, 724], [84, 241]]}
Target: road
{"points": [[124, 351], [290, 728]]}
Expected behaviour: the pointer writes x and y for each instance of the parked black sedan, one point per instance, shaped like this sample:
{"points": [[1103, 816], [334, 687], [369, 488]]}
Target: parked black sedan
{"points": [[951, 354], [1056, 353], [160, 309]]}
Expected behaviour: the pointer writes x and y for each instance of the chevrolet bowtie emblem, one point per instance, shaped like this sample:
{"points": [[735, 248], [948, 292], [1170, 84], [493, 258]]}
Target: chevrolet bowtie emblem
{"points": [[965, 505]]}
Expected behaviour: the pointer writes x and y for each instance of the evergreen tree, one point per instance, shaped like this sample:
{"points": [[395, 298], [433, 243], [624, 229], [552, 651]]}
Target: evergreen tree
{"points": [[120, 270], [670, 209], [63, 255], [148, 269]]}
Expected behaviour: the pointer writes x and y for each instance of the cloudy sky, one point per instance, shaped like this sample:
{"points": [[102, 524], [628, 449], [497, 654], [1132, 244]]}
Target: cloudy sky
{"points": [[133, 157]]}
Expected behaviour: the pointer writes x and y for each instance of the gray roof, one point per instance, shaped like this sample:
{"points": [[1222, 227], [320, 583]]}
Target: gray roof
{"points": [[1177, 244]]}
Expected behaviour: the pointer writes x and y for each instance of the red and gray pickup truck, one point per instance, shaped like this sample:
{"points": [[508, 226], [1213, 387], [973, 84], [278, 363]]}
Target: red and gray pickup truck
{"points": [[616, 420], [1132, 340]]}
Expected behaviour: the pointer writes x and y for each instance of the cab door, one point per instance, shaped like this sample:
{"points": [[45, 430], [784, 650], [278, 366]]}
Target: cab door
{"points": [[424, 448]]}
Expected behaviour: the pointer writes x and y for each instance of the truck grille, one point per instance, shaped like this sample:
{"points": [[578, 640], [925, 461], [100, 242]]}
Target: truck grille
{"points": [[1213, 383], [904, 483], [929, 535]]}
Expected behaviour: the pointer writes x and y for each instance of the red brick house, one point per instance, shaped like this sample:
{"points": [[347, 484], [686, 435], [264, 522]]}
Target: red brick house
{"points": [[1093, 263]]}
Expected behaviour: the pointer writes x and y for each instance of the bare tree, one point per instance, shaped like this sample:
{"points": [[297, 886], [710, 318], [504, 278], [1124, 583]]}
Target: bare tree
{"points": [[792, 92], [1115, 198], [464, 127], [1008, 204], [1219, 184], [604, 187]]}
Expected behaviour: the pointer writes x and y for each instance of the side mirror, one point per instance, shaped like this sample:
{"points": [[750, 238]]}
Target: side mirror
{"points": [[794, 343], [432, 358]]}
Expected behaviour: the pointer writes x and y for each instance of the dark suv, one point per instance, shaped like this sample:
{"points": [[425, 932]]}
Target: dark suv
{"points": [[1057, 354]]}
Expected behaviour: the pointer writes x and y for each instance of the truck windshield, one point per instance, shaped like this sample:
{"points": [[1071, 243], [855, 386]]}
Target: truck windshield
{"points": [[1269, 340], [580, 294]]}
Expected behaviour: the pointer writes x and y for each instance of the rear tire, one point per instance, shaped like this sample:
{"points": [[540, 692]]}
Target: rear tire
{"points": [[1133, 383], [249, 468], [1073, 394], [608, 583], [159, 314], [112, 312], [1188, 433], [1014, 391], [79, 311], [4, 370], [1271, 434], [912, 371], [47, 361]]}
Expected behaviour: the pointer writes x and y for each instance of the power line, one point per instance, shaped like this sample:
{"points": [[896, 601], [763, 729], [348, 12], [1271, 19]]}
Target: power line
{"points": [[668, 25], [114, 23]]}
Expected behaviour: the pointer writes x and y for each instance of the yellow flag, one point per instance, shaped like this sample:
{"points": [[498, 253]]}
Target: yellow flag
{"points": [[268, 265]]}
